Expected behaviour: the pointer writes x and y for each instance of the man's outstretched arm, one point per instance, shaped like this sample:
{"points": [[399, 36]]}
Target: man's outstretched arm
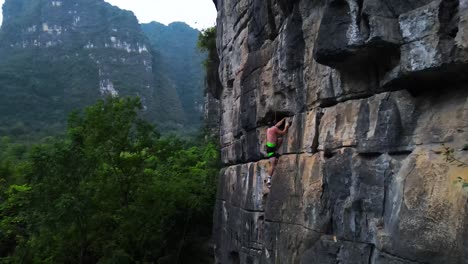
{"points": [[284, 131], [280, 122]]}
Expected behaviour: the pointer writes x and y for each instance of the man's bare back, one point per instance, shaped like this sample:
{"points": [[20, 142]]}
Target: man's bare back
{"points": [[272, 134]]}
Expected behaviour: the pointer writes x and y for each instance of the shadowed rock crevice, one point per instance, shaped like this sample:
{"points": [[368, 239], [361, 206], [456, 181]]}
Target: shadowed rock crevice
{"points": [[273, 117], [271, 21], [335, 22], [449, 19], [234, 258]]}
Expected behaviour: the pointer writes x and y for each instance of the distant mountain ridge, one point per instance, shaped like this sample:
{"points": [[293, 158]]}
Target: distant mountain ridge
{"points": [[175, 45], [61, 55]]}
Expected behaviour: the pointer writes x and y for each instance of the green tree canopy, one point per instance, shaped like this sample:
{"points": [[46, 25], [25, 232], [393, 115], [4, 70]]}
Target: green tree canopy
{"points": [[112, 191]]}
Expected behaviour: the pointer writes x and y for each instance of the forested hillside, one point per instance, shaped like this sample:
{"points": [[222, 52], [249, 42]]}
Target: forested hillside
{"points": [[180, 62], [57, 56]]}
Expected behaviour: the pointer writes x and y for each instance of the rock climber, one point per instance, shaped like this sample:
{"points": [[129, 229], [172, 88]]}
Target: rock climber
{"points": [[273, 143]]}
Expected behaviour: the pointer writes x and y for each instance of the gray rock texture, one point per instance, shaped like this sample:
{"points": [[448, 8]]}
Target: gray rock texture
{"points": [[376, 91]]}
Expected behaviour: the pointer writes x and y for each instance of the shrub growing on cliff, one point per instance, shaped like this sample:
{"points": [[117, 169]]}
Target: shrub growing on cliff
{"points": [[207, 43], [449, 154]]}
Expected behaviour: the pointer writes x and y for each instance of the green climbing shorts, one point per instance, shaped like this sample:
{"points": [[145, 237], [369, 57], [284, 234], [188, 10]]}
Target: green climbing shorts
{"points": [[271, 150]]}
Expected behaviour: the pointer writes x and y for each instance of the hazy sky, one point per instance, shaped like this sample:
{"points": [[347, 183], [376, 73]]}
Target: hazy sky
{"points": [[197, 13]]}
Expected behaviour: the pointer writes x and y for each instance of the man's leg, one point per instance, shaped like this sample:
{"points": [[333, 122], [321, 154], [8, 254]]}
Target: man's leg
{"points": [[273, 162]]}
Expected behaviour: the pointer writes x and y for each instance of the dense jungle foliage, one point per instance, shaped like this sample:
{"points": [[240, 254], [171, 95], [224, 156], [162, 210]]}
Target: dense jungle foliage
{"points": [[113, 190]]}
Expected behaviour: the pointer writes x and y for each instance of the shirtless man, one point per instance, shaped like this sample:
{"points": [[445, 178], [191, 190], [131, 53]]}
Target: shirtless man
{"points": [[273, 144]]}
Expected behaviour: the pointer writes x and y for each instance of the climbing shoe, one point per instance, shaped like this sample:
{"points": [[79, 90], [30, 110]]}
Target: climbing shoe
{"points": [[268, 182]]}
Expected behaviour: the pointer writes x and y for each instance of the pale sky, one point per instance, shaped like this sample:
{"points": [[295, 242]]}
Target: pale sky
{"points": [[197, 13]]}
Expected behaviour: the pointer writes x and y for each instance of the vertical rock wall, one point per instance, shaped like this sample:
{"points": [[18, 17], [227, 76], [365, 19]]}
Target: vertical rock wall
{"points": [[375, 90]]}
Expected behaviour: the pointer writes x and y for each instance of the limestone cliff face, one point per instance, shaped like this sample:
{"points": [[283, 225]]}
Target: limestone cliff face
{"points": [[374, 88]]}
